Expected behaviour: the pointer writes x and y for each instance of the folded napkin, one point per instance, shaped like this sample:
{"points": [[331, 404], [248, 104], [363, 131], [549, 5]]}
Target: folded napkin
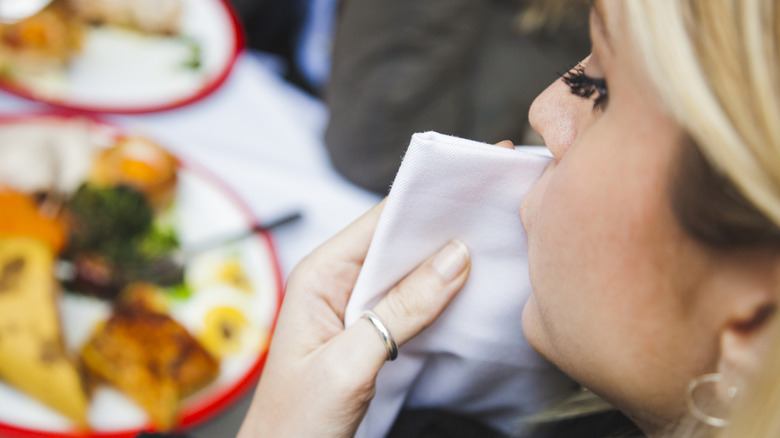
{"points": [[474, 359]]}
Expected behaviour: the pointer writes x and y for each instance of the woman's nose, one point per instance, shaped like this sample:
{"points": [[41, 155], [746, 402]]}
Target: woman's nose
{"points": [[557, 116]]}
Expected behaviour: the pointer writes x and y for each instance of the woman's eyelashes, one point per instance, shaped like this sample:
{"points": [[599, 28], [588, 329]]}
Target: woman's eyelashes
{"points": [[586, 86]]}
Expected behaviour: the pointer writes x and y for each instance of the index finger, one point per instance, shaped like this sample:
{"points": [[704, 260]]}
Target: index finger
{"points": [[329, 273]]}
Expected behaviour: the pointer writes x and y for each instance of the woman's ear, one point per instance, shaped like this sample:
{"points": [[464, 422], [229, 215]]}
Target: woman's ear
{"points": [[745, 336]]}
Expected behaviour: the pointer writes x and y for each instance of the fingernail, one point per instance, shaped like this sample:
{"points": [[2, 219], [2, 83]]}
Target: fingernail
{"points": [[451, 260], [505, 144]]}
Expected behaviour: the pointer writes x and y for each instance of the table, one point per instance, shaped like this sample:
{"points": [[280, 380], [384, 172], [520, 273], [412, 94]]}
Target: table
{"points": [[263, 137]]}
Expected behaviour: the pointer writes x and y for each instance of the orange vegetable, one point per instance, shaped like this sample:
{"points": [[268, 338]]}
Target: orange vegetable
{"points": [[141, 164], [49, 31], [138, 172], [20, 217]]}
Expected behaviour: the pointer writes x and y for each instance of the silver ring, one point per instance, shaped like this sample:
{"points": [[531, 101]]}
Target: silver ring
{"points": [[384, 333]]}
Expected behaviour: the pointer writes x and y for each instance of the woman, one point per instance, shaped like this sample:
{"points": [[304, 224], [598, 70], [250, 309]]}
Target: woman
{"points": [[654, 236]]}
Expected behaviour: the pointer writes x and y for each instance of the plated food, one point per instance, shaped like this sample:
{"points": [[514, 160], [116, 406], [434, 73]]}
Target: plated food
{"points": [[148, 355], [106, 328], [44, 42], [32, 356], [124, 56], [152, 16]]}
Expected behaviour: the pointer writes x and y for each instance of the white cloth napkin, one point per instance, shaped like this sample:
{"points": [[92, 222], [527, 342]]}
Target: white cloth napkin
{"points": [[474, 359]]}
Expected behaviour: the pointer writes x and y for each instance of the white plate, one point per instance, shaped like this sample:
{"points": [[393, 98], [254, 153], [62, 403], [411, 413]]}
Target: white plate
{"points": [[122, 71], [205, 208]]}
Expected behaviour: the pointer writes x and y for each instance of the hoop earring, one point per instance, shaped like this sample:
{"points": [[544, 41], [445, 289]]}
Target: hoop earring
{"points": [[698, 413]]}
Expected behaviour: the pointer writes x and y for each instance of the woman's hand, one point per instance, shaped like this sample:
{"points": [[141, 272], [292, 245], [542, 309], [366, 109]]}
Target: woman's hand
{"points": [[319, 377]]}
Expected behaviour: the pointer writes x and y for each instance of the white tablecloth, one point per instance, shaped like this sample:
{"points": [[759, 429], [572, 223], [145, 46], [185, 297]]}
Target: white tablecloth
{"points": [[263, 137]]}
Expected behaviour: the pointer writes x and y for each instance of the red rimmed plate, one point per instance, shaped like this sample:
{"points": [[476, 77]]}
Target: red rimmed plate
{"points": [[205, 207], [121, 71]]}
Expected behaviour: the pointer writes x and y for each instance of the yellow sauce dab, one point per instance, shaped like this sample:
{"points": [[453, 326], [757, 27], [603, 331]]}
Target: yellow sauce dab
{"points": [[224, 327]]}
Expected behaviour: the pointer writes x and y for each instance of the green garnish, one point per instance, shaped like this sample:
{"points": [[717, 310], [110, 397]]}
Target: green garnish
{"points": [[179, 292], [195, 59]]}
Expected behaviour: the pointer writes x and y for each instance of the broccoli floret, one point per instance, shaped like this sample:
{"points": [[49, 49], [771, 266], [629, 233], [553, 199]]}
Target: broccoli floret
{"points": [[114, 229], [107, 220]]}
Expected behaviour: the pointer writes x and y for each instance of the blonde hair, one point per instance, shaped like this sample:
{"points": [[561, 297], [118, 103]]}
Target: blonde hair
{"points": [[716, 66]]}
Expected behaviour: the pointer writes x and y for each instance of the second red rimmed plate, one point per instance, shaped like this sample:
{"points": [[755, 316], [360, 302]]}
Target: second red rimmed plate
{"points": [[204, 208], [123, 71]]}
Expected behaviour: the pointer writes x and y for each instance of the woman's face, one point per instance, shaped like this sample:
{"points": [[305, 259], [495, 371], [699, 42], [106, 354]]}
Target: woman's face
{"points": [[614, 276]]}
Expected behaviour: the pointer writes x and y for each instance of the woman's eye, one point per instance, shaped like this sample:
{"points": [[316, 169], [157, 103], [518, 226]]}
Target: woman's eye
{"points": [[586, 86]]}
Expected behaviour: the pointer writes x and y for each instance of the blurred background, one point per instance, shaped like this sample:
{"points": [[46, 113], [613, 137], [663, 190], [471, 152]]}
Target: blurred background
{"points": [[468, 68]]}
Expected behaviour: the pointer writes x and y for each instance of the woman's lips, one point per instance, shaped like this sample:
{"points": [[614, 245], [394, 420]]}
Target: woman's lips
{"points": [[524, 215], [530, 201]]}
